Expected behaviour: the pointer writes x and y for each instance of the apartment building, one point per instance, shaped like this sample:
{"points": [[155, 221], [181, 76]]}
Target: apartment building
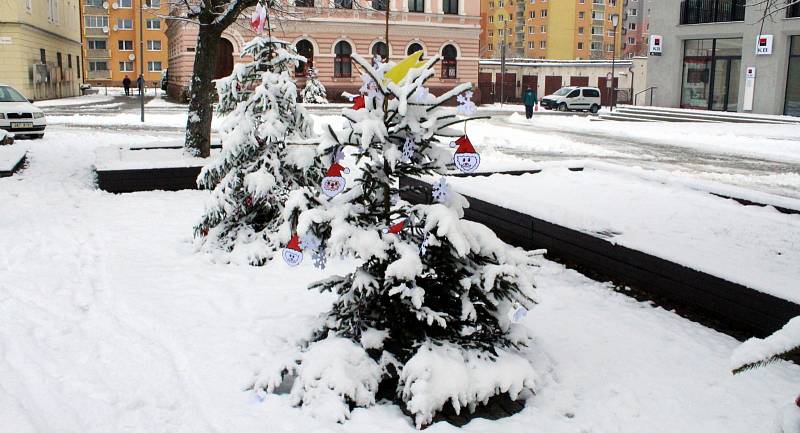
{"points": [[120, 36], [723, 55], [634, 31], [328, 32], [555, 29], [40, 47]]}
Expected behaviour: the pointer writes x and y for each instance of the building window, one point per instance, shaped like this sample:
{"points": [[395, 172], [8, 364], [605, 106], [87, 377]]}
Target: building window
{"points": [[711, 69], [342, 66], [154, 66], [53, 10], [152, 4], [125, 4], [449, 62], [413, 48], [98, 66], [124, 24], [94, 3], [125, 45], [29, 5], [305, 49], [380, 5], [711, 11], [42, 56], [126, 66], [153, 24], [304, 3], [153, 45], [792, 104], [450, 7], [343, 4], [95, 22], [380, 49], [97, 44], [69, 61], [416, 5], [78, 62]]}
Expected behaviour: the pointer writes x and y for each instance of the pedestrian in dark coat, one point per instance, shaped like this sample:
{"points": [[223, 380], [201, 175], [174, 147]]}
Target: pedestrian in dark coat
{"points": [[126, 83], [140, 83], [529, 99]]}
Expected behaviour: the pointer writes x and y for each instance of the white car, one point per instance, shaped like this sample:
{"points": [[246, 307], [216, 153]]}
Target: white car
{"points": [[573, 98], [18, 115]]}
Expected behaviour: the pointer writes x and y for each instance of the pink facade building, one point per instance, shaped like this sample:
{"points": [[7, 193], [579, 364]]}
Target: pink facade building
{"points": [[328, 32]]}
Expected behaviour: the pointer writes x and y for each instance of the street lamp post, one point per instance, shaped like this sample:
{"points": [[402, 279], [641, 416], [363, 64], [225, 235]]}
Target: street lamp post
{"points": [[503, 64], [141, 58], [614, 23]]}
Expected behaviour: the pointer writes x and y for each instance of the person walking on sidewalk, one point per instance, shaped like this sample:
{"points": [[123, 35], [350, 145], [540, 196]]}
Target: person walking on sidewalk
{"points": [[126, 83], [140, 83], [529, 99]]}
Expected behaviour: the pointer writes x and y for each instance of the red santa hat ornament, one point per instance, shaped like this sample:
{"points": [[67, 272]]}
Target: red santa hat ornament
{"points": [[333, 183], [359, 102], [466, 158], [396, 228], [293, 254]]}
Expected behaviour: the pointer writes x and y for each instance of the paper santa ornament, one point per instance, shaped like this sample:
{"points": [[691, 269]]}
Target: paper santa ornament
{"points": [[465, 158], [333, 183], [293, 254]]}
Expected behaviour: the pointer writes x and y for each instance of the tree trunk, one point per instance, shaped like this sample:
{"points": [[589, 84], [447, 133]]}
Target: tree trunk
{"points": [[202, 93]]}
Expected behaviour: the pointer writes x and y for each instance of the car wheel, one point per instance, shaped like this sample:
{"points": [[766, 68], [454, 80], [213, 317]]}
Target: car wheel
{"points": [[595, 108], [562, 107]]}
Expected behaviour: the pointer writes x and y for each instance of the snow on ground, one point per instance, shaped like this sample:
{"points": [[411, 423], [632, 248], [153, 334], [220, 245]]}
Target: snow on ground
{"points": [[75, 100], [112, 323], [764, 141], [754, 246], [163, 103], [177, 120]]}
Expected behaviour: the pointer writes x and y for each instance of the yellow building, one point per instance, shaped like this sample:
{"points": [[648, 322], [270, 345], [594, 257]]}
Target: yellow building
{"points": [[555, 29], [40, 47], [112, 44]]}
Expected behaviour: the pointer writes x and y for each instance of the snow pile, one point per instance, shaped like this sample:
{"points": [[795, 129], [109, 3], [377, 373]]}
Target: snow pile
{"points": [[333, 374], [438, 374], [756, 351]]}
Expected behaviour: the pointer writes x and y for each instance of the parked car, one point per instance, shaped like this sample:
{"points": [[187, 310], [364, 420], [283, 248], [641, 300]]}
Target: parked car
{"points": [[573, 99], [18, 115]]}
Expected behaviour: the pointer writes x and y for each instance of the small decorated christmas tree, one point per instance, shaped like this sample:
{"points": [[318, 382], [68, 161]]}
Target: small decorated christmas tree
{"points": [[314, 92], [263, 157], [429, 316]]}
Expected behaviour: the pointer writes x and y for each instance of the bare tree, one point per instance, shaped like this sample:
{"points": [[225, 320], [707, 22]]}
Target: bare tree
{"points": [[772, 9]]}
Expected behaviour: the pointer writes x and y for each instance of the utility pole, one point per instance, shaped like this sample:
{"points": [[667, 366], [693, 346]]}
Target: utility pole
{"points": [[614, 22], [503, 64], [141, 57]]}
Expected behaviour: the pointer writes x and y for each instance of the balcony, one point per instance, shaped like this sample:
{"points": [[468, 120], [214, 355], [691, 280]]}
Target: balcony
{"points": [[97, 54], [793, 11], [712, 11], [99, 75]]}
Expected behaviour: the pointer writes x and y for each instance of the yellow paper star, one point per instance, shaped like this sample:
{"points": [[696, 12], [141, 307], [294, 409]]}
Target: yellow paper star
{"points": [[400, 70]]}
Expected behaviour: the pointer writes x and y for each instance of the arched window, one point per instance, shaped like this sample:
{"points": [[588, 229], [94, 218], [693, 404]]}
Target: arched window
{"points": [[224, 59], [413, 48], [304, 3], [305, 49], [416, 5], [343, 4], [381, 49], [342, 66], [449, 62]]}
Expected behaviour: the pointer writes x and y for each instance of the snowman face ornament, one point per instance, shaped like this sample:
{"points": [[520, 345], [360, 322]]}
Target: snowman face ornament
{"points": [[467, 162]]}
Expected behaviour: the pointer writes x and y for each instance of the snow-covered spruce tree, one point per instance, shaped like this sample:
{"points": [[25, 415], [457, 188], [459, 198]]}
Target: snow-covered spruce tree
{"points": [[262, 160], [426, 319], [314, 92]]}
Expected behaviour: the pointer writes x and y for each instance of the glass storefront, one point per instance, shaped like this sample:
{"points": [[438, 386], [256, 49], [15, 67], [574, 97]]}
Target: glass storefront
{"points": [[711, 73], [792, 107]]}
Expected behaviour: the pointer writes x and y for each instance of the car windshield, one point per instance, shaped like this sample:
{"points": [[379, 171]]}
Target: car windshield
{"points": [[7, 94], [563, 91]]}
